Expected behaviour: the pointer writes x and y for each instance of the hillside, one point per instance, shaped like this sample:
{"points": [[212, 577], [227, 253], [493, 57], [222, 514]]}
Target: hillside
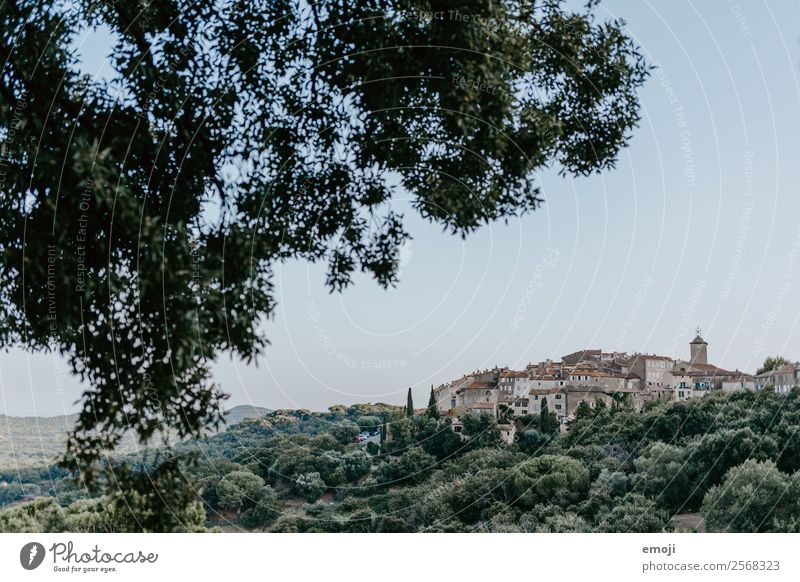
{"points": [[35, 441], [32, 441], [239, 413], [672, 466]]}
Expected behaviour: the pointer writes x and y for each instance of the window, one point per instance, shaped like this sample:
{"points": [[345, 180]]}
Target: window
{"points": [[558, 396], [558, 407], [680, 393], [536, 397], [452, 403]]}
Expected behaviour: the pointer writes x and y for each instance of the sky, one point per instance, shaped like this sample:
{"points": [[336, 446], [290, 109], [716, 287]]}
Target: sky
{"points": [[697, 226]]}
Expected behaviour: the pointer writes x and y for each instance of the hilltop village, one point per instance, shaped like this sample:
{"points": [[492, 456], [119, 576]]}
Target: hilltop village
{"points": [[597, 378]]}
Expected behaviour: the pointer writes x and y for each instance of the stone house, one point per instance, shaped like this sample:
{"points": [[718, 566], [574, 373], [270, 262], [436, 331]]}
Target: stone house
{"points": [[782, 380], [507, 432], [743, 382], [696, 380], [655, 371]]}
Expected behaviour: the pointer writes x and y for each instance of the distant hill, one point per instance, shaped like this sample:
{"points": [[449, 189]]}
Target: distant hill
{"points": [[32, 441], [36, 441], [239, 413]]}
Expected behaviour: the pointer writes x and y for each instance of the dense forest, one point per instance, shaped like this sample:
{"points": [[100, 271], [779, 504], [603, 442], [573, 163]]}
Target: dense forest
{"points": [[726, 462]]}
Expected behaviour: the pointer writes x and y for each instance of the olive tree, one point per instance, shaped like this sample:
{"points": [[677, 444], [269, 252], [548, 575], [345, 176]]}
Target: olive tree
{"points": [[754, 497], [238, 488], [552, 479]]}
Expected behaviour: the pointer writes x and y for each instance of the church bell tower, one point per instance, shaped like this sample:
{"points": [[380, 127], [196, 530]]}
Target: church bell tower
{"points": [[699, 350]]}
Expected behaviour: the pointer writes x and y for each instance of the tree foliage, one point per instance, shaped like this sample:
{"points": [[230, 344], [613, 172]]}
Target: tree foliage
{"points": [[412, 467], [237, 488], [265, 511], [310, 486], [634, 514], [481, 431], [433, 407], [754, 497], [772, 363], [145, 213], [345, 431], [664, 472], [550, 479], [548, 421], [738, 473]]}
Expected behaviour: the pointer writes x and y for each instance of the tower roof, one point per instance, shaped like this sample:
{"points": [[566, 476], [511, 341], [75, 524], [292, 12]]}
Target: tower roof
{"points": [[699, 340]]}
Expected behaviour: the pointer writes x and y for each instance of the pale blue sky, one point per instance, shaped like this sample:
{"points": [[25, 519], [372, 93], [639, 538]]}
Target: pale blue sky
{"points": [[699, 225]]}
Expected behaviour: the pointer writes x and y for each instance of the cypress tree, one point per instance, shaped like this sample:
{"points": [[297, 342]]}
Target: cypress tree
{"points": [[583, 410], [433, 409], [409, 404], [544, 418]]}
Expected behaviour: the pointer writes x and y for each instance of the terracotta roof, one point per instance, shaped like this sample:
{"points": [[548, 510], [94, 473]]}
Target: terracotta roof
{"points": [[480, 386], [596, 374], [585, 352], [705, 369], [599, 389], [786, 369], [653, 357]]}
